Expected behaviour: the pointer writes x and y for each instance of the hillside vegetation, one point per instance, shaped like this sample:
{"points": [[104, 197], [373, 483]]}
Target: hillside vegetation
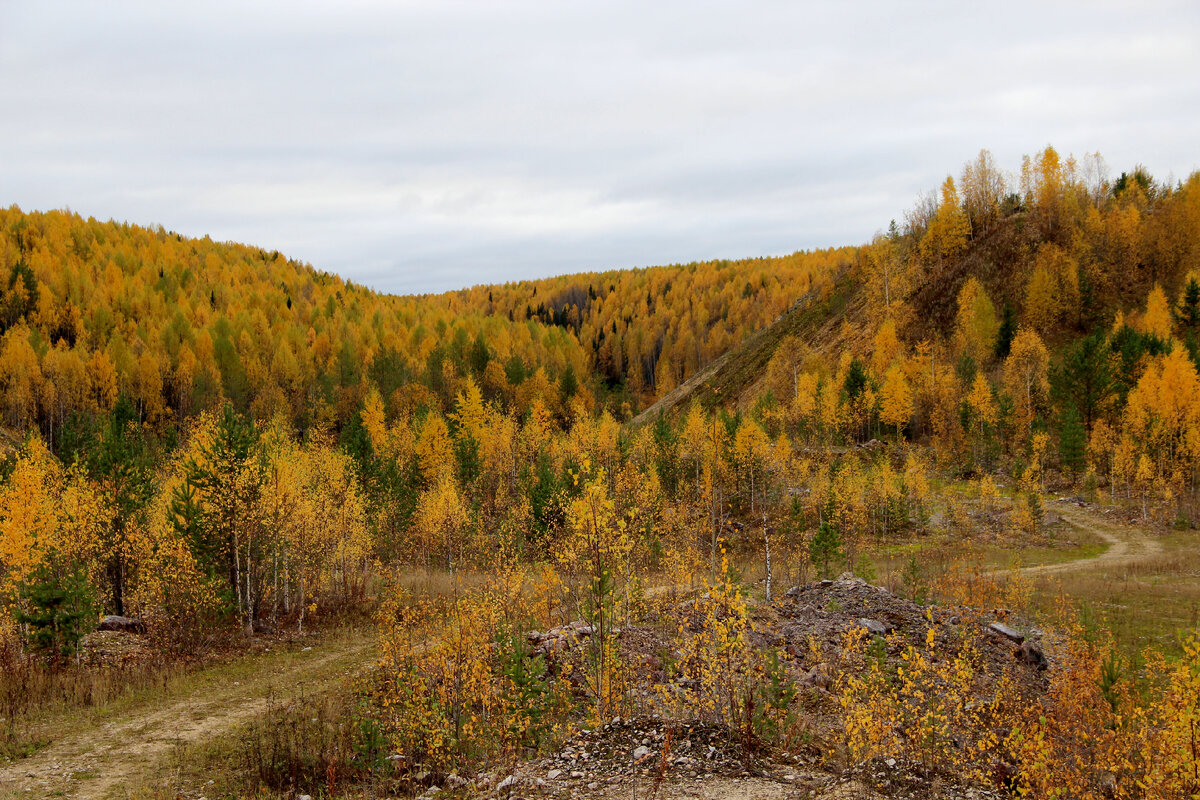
{"points": [[226, 445]]}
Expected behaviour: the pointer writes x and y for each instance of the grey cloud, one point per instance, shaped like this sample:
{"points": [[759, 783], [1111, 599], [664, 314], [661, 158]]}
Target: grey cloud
{"points": [[423, 146]]}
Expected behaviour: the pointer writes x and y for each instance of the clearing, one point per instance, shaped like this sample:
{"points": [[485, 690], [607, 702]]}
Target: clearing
{"points": [[1126, 546]]}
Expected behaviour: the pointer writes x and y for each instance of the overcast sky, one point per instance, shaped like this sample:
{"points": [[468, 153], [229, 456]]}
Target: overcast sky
{"points": [[419, 146]]}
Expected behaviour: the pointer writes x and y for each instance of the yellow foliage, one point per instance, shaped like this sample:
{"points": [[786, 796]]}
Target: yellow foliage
{"points": [[1026, 373], [1157, 319], [1052, 292], [976, 325], [434, 449], [441, 521], [896, 399], [48, 511]]}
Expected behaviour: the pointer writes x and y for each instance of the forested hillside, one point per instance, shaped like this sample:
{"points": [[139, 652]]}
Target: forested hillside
{"points": [[219, 440], [94, 311], [1057, 317]]}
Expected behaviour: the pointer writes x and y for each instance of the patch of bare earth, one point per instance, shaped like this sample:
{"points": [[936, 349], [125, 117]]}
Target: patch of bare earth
{"points": [[1126, 545], [100, 761]]}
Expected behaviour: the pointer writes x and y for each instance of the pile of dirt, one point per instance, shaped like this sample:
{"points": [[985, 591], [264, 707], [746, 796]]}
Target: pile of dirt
{"points": [[655, 757], [821, 614], [641, 756]]}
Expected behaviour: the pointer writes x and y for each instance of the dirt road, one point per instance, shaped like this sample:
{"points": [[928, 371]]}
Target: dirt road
{"points": [[1125, 544], [98, 761]]}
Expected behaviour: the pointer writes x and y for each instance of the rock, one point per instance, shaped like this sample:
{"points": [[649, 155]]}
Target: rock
{"points": [[640, 752], [121, 624], [454, 781], [553, 774], [817, 676], [304, 797], [1108, 784], [1029, 653], [1012, 634], [875, 627], [507, 782]]}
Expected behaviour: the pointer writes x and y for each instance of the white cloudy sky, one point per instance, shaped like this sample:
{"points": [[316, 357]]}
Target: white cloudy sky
{"points": [[418, 146]]}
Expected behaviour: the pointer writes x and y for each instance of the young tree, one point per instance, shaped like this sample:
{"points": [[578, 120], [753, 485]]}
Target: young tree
{"points": [[948, 230], [1006, 333], [983, 189], [120, 462], [215, 503], [825, 549], [56, 607], [896, 400], [1026, 376], [975, 325], [1157, 319], [1086, 378], [1072, 441]]}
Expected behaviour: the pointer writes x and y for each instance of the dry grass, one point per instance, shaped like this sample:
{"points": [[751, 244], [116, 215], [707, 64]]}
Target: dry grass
{"points": [[33, 693], [321, 745], [1148, 603]]}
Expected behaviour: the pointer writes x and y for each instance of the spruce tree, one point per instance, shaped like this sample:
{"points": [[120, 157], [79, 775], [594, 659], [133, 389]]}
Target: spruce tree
{"points": [[58, 608], [1072, 441], [825, 548], [1006, 333]]}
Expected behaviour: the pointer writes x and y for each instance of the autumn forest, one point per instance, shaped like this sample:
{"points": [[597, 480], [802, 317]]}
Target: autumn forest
{"points": [[560, 504]]}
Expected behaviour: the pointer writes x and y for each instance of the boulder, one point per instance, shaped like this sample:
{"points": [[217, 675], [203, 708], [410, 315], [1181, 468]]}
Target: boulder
{"points": [[1029, 653], [818, 676], [1012, 634], [121, 624], [874, 627]]}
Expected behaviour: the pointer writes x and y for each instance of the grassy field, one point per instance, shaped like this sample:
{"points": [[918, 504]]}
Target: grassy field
{"points": [[1151, 602]]}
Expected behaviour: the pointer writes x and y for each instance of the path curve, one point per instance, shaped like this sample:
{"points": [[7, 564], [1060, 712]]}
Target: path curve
{"points": [[95, 761], [1126, 545]]}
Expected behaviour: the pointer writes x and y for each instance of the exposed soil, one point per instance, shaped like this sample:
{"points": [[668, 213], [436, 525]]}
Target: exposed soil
{"points": [[1126, 545], [99, 761]]}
